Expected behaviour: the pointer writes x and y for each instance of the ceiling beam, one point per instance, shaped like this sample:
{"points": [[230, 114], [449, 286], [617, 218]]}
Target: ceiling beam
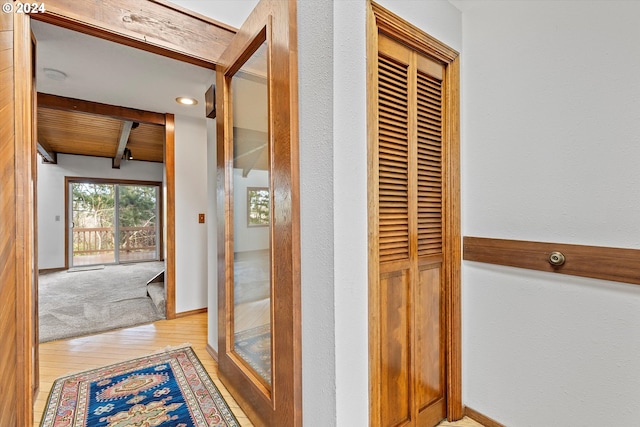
{"points": [[122, 113], [157, 26], [252, 151], [252, 161], [48, 155], [122, 143]]}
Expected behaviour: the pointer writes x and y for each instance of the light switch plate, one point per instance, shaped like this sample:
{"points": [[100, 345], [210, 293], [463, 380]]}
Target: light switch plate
{"points": [[201, 218]]}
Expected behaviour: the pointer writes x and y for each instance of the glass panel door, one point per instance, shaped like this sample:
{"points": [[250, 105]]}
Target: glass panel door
{"points": [[259, 350], [92, 224], [137, 222], [251, 225]]}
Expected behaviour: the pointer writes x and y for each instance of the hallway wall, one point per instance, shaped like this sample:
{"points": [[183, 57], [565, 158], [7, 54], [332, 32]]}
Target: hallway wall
{"points": [[191, 199], [550, 105], [332, 108]]}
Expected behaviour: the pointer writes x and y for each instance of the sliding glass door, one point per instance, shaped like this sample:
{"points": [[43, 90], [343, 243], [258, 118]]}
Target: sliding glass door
{"points": [[110, 223], [137, 209], [92, 230]]}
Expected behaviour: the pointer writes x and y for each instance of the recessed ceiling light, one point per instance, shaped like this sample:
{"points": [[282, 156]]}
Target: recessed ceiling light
{"points": [[186, 101], [55, 74]]}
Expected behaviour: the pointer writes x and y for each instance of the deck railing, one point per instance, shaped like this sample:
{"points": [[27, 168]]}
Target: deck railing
{"points": [[89, 241]]}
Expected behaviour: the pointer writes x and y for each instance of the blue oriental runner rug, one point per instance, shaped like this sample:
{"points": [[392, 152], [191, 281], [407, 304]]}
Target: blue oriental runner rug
{"points": [[169, 389]]}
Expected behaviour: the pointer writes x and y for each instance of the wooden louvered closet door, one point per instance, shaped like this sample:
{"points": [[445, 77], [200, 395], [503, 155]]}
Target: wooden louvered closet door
{"points": [[409, 198]]}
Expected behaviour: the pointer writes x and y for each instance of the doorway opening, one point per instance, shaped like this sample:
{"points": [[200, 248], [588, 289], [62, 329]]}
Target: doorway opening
{"points": [[155, 33], [106, 181]]}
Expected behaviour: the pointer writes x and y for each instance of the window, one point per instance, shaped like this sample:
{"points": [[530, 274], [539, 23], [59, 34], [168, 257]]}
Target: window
{"points": [[257, 206], [112, 221]]}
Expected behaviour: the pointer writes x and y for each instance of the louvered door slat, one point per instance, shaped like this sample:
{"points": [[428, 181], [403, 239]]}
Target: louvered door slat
{"points": [[432, 116], [429, 124], [393, 157]]}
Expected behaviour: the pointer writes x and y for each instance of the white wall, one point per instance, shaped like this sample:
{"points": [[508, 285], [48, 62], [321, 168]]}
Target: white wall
{"points": [[247, 238], [51, 193], [230, 12], [315, 76], [551, 98], [350, 282], [191, 183]]}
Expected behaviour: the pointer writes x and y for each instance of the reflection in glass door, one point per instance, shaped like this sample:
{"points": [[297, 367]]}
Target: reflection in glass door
{"points": [[101, 211], [251, 225]]}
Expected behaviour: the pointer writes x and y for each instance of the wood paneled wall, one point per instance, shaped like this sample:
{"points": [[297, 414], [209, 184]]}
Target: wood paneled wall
{"points": [[8, 234], [16, 219]]}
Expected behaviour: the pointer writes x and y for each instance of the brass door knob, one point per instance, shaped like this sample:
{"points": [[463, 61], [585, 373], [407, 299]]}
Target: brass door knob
{"points": [[556, 258]]}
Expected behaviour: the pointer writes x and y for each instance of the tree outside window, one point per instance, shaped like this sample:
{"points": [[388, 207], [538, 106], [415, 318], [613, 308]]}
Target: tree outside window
{"points": [[258, 206]]}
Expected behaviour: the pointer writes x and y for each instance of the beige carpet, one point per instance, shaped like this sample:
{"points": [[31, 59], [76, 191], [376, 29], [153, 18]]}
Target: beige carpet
{"points": [[465, 422], [89, 301]]}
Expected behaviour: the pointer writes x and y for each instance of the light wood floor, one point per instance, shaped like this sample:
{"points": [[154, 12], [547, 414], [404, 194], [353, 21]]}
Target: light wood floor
{"points": [[59, 358], [465, 422]]}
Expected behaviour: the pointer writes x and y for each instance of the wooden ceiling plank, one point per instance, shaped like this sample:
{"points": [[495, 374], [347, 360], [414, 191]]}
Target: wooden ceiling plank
{"points": [[122, 143], [80, 133], [46, 100], [47, 153]]}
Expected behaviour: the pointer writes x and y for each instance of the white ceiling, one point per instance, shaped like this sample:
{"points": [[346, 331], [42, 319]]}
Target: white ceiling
{"points": [[102, 71], [231, 12]]}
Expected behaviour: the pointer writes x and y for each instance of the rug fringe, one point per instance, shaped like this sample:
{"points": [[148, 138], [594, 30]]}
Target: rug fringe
{"points": [[166, 349], [169, 348]]}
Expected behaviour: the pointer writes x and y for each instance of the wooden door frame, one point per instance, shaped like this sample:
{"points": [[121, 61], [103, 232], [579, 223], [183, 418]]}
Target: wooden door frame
{"points": [[149, 25], [25, 232], [380, 19]]}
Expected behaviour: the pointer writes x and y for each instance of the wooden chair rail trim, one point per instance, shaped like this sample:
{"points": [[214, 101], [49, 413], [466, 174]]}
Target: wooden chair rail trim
{"points": [[597, 262]]}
